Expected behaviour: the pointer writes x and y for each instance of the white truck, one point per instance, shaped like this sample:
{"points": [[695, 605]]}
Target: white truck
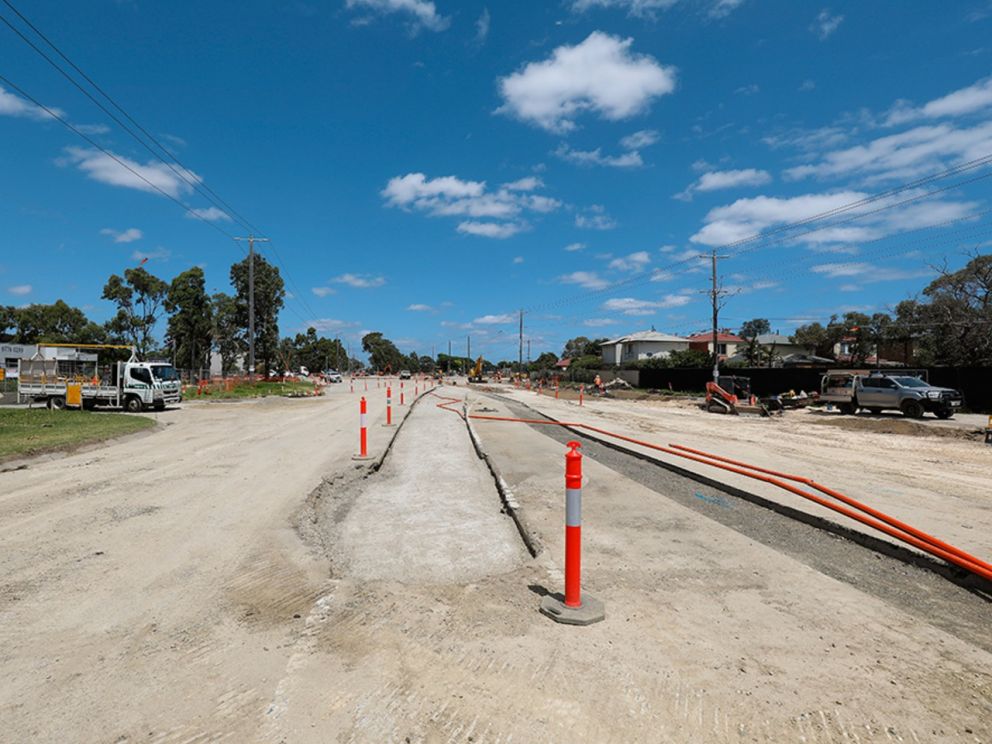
{"points": [[131, 385]]}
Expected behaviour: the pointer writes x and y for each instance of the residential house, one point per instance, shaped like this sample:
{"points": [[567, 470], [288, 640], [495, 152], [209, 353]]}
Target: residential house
{"points": [[727, 344], [641, 345]]}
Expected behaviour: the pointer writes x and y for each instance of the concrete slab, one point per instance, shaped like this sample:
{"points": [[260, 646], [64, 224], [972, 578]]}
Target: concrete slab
{"points": [[432, 513]]}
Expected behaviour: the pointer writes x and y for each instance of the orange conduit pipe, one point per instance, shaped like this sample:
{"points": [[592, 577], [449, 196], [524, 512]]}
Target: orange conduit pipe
{"points": [[878, 520], [907, 528]]}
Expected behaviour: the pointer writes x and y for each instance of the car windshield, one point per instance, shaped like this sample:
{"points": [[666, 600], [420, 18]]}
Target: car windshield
{"points": [[165, 372], [913, 382]]}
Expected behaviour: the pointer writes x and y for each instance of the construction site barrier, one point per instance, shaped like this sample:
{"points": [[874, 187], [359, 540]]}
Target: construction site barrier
{"points": [[402, 395], [389, 406]]}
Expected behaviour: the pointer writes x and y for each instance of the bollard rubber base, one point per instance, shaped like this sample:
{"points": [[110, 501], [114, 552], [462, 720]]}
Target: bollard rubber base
{"points": [[360, 457], [590, 611], [389, 426]]}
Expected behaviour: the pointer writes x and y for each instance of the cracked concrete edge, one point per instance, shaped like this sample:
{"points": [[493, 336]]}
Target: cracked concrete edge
{"points": [[511, 507]]}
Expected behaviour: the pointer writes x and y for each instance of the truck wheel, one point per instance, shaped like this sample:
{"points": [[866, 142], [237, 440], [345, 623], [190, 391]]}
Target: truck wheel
{"points": [[133, 405], [847, 409], [874, 411], [912, 409], [56, 403], [944, 413]]}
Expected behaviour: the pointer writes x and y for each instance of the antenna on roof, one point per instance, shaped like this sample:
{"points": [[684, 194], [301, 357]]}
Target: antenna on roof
{"points": [[652, 326]]}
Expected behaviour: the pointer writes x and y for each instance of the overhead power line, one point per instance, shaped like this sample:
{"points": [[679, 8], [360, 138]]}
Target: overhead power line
{"points": [[158, 150]]}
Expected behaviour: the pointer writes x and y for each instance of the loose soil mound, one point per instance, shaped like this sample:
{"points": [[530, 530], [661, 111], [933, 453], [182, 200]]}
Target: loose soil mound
{"points": [[892, 425]]}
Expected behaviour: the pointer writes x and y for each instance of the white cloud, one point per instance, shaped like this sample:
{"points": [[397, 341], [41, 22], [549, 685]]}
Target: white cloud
{"points": [[160, 254], [825, 24], [450, 196], [906, 155], [210, 214], [723, 8], [331, 325], [632, 306], [633, 262], [420, 308], [600, 74], [746, 217], [360, 281], [715, 180], [323, 291], [20, 289], [14, 105], [482, 27], [152, 177], [969, 100], [573, 247], [662, 276], [495, 319], [868, 273], [518, 259], [123, 236], [639, 140], [529, 183], [595, 218], [586, 279], [807, 85], [598, 322], [424, 13], [638, 8], [748, 90], [595, 157], [497, 230]]}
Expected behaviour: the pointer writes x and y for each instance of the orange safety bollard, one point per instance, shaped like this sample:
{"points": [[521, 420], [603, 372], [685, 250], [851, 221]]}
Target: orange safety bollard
{"points": [[556, 391], [363, 437], [351, 383], [402, 395], [366, 386], [573, 610], [582, 393], [389, 406]]}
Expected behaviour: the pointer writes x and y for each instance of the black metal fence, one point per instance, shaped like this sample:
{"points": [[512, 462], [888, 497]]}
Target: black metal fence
{"points": [[975, 383]]}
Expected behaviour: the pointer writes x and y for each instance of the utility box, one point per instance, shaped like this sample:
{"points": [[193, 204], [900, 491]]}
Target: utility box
{"points": [[74, 395]]}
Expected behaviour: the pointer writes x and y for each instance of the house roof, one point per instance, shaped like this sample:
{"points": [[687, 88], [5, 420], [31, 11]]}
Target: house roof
{"points": [[563, 363], [644, 336], [725, 337], [767, 339]]}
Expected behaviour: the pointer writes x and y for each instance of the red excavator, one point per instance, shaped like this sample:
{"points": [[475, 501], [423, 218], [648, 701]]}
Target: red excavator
{"points": [[730, 394]]}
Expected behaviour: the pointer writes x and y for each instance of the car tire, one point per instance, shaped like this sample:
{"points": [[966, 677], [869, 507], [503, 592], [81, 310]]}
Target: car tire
{"points": [[133, 404], [944, 413], [56, 403], [912, 409], [874, 411], [848, 409]]}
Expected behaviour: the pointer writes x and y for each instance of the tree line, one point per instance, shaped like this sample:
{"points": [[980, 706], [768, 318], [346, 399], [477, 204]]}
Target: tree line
{"points": [[197, 323]]}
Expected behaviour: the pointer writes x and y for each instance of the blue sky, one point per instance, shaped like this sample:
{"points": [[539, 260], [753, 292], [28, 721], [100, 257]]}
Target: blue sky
{"points": [[427, 168]]}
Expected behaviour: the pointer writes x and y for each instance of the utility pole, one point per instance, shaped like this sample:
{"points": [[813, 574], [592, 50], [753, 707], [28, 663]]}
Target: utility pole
{"points": [[251, 301], [520, 351], [448, 365], [528, 351], [715, 294], [468, 348]]}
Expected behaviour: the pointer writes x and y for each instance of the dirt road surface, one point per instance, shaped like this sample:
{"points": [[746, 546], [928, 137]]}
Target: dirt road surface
{"points": [[256, 586], [150, 589]]}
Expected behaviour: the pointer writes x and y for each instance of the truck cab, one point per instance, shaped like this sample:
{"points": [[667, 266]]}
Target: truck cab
{"points": [[149, 385]]}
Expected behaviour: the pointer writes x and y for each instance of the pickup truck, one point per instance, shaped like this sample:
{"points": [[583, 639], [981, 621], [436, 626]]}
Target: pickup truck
{"points": [[852, 390]]}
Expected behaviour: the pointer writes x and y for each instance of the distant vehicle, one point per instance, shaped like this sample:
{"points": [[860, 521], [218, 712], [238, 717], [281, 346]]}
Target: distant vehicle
{"points": [[131, 385], [852, 390], [304, 372], [333, 376], [405, 374], [475, 374]]}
